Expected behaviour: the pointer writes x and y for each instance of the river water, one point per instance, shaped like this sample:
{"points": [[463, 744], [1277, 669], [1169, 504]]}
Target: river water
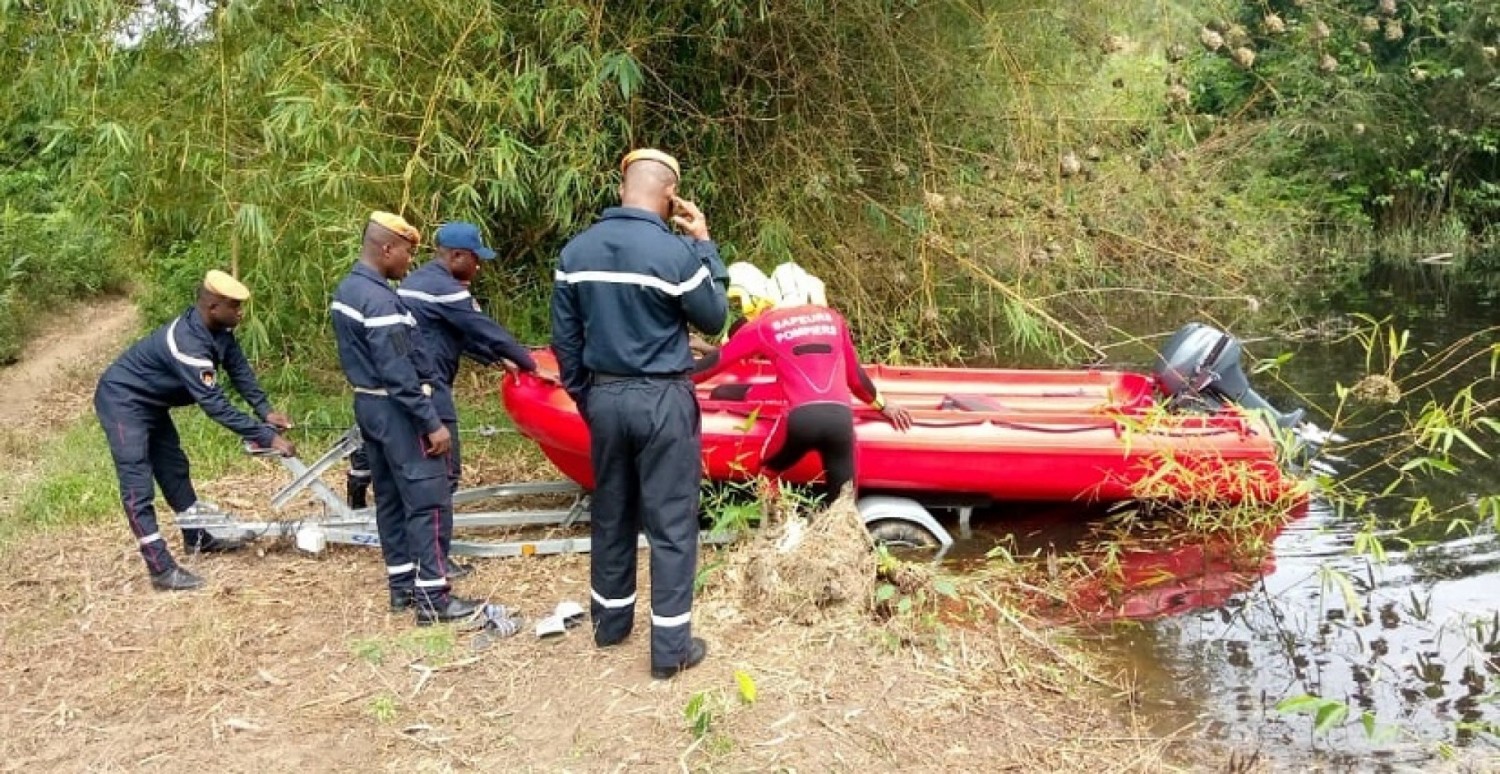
{"points": [[1411, 645]]}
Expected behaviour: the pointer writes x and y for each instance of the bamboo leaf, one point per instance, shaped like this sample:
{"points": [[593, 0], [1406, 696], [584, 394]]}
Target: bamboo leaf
{"points": [[1329, 715], [624, 70], [1301, 703]]}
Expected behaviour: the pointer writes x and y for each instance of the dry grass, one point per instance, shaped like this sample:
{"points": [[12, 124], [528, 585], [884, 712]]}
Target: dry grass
{"points": [[291, 662], [288, 661], [801, 570]]}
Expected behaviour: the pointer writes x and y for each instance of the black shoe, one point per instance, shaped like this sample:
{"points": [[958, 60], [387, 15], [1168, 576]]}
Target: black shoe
{"points": [[200, 541], [175, 579], [456, 609], [401, 600], [697, 651], [608, 642], [457, 571], [357, 491]]}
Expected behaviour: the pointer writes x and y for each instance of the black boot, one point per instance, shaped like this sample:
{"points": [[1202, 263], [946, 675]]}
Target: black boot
{"points": [[401, 600], [358, 491], [457, 570], [452, 610], [697, 651], [175, 579]]}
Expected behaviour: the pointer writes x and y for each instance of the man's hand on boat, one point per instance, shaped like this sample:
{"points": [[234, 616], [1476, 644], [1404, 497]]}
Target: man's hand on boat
{"points": [[898, 416]]}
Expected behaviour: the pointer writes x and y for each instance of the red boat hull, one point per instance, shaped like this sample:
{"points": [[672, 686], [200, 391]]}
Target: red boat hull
{"points": [[993, 434]]}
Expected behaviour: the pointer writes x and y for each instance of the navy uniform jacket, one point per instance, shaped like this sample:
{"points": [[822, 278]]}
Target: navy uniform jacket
{"points": [[377, 348], [625, 291], [178, 364], [452, 324]]}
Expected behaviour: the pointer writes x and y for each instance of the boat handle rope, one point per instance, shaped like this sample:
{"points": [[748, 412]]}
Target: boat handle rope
{"points": [[1116, 427]]}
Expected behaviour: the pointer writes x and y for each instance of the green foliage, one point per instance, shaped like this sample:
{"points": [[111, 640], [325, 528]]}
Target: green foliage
{"points": [[1327, 713], [384, 708], [1385, 112], [370, 650], [48, 253], [258, 137], [699, 713], [284, 124]]}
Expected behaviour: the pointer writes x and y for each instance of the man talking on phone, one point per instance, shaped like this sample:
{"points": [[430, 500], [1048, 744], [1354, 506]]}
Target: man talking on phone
{"points": [[626, 291]]}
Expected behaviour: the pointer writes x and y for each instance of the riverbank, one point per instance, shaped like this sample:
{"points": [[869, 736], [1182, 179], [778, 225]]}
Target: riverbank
{"points": [[289, 660]]}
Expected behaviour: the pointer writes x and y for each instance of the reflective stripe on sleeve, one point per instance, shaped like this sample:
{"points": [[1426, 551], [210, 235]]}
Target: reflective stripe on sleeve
{"points": [[373, 322], [461, 295]]}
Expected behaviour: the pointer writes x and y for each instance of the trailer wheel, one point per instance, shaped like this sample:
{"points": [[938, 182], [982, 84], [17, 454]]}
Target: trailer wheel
{"points": [[896, 533]]}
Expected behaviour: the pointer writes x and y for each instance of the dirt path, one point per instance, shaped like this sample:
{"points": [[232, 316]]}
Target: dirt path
{"points": [[50, 383]]}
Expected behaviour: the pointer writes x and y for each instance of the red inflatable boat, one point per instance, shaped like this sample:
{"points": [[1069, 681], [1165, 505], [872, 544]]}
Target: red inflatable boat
{"points": [[979, 434]]}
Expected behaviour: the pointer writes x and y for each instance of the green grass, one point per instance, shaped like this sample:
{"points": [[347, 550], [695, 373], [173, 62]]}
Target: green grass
{"points": [[431, 644], [75, 481]]}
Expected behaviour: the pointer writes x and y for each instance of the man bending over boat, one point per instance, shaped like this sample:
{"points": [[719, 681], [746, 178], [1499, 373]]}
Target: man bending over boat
{"points": [[451, 325], [812, 352]]}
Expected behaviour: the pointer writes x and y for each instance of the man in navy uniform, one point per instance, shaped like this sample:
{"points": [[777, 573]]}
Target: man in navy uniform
{"points": [[405, 440], [178, 365], [625, 292], [452, 325]]}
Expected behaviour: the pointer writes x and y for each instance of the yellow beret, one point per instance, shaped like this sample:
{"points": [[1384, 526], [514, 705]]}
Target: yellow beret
{"points": [[219, 283], [651, 154], [397, 225]]}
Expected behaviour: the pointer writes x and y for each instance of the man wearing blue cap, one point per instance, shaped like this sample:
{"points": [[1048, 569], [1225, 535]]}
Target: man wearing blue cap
{"points": [[452, 325]]}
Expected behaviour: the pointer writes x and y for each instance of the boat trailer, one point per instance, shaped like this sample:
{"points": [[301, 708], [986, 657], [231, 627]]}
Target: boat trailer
{"points": [[898, 520]]}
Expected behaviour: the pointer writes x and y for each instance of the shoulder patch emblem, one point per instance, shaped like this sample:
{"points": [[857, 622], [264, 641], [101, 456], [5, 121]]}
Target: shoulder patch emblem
{"points": [[208, 378]]}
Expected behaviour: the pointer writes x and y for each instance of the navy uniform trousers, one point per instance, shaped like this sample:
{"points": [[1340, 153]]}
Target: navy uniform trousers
{"points": [[442, 399], [412, 500], [646, 446], [145, 446]]}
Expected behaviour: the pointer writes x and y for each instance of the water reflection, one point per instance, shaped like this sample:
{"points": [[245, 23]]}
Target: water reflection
{"points": [[1399, 644], [1411, 645]]}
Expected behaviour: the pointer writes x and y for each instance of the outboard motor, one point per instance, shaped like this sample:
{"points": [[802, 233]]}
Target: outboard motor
{"points": [[1200, 368]]}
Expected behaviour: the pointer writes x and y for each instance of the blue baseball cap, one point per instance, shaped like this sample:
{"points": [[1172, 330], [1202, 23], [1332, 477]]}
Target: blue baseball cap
{"points": [[463, 236]]}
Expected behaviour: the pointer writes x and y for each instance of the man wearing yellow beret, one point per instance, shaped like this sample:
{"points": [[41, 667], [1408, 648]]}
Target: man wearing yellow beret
{"points": [[624, 294], [178, 365], [405, 441]]}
